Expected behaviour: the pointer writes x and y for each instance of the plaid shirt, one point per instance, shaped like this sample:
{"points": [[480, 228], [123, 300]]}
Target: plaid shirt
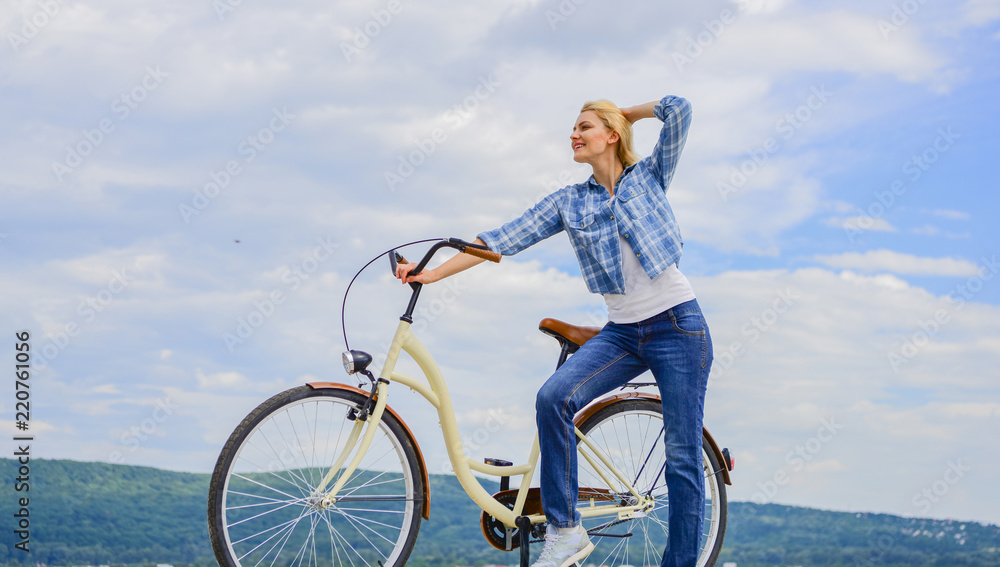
{"points": [[639, 211]]}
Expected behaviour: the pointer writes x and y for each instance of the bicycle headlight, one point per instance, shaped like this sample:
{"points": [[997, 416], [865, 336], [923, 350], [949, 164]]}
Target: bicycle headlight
{"points": [[356, 361]]}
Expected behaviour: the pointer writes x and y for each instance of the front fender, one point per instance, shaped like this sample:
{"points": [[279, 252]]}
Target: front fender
{"points": [[423, 466]]}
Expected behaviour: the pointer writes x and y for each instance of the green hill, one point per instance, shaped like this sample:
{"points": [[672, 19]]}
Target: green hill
{"points": [[771, 534], [97, 513]]}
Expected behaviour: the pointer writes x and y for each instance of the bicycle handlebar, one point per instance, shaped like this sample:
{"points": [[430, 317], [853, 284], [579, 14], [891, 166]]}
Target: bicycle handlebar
{"points": [[469, 248], [395, 258], [479, 251], [476, 250], [458, 244]]}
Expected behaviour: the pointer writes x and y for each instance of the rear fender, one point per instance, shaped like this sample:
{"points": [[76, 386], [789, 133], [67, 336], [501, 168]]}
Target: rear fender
{"points": [[605, 402]]}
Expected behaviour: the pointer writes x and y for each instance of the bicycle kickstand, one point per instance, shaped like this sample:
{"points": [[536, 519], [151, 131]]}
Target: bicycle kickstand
{"points": [[524, 534]]}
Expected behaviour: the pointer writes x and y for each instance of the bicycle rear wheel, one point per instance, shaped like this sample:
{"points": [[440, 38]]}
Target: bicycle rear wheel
{"points": [[263, 507], [630, 433]]}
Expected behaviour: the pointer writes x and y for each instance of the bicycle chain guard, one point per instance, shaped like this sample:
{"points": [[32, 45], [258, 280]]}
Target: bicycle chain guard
{"points": [[496, 533]]}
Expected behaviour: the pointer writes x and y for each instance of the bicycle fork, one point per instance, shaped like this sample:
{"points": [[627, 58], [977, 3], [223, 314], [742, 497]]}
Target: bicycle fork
{"points": [[356, 444]]}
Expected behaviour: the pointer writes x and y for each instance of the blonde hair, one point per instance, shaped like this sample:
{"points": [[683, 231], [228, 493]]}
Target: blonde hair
{"points": [[613, 119]]}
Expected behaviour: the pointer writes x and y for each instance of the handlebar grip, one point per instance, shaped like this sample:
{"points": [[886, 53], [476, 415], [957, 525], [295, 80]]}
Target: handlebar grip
{"points": [[484, 254]]}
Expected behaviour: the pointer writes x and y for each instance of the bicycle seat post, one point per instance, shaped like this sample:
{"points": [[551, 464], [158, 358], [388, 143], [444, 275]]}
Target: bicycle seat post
{"points": [[564, 352], [504, 480]]}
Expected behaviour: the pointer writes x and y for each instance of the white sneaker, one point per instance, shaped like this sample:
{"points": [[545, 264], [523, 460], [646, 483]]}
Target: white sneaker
{"points": [[563, 550]]}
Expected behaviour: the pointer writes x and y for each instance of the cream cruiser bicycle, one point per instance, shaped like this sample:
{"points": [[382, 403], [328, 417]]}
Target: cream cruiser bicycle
{"points": [[328, 474]]}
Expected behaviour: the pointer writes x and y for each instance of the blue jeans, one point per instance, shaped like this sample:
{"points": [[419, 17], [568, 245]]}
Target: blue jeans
{"points": [[676, 346]]}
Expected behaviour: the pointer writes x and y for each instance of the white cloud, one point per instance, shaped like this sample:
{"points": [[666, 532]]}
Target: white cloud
{"points": [[220, 380], [829, 41], [981, 410], [888, 260], [926, 230], [980, 12], [105, 389], [860, 223], [951, 214], [823, 356]]}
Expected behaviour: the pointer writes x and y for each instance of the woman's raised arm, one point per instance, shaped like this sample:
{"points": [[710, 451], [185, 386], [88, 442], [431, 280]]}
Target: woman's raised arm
{"points": [[639, 111]]}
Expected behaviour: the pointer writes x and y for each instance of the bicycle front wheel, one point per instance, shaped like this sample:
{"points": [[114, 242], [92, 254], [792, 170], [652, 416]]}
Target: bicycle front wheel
{"points": [[264, 507], [630, 433]]}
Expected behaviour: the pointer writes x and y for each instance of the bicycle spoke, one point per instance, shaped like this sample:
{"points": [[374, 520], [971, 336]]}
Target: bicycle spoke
{"points": [[362, 534], [371, 464], [344, 542], [289, 525], [257, 496], [277, 456], [310, 542], [649, 454], [282, 541], [262, 485], [264, 470], [370, 484], [263, 514], [365, 521]]}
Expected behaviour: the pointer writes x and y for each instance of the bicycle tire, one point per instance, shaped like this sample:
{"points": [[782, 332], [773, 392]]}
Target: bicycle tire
{"points": [[630, 432], [261, 506]]}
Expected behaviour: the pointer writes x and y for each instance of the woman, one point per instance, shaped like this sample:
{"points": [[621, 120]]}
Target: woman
{"points": [[627, 242]]}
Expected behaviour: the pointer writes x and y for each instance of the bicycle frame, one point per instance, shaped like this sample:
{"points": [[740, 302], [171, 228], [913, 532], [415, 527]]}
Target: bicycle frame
{"points": [[435, 391]]}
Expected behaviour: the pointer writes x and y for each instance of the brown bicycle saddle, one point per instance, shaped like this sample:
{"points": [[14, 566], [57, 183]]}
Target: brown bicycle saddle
{"points": [[572, 335]]}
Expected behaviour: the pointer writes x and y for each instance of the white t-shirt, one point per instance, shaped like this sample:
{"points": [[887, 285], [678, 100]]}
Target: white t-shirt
{"points": [[645, 297]]}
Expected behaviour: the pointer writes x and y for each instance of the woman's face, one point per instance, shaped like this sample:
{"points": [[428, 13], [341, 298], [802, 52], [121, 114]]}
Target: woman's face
{"points": [[591, 138]]}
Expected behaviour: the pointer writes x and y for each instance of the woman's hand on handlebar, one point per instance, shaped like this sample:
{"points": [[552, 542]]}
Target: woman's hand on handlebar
{"points": [[452, 266], [425, 277]]}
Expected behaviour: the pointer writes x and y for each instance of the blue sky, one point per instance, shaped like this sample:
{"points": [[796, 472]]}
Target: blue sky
{"points": [[847, 286]]}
